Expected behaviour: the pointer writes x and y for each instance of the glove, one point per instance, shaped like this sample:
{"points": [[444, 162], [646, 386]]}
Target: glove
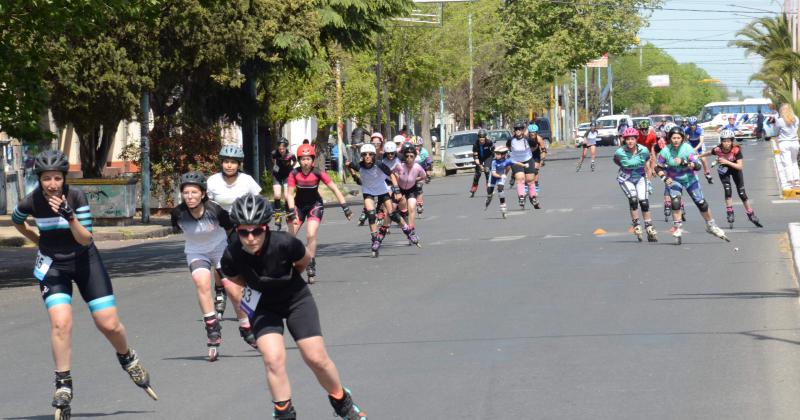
{"points": [[347, 212], [65, 211], [291, 215], [276, 169]]}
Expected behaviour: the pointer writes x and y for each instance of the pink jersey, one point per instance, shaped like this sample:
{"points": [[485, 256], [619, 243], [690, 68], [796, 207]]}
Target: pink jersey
{"points": [[307, 186], [407, 177]]}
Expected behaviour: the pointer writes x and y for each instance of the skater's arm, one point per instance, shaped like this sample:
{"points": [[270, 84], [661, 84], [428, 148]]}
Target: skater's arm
{"points": [[301, 264], [26, 231]]}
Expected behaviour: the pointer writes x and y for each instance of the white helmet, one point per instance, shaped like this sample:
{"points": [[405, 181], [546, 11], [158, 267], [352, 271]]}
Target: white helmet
{"points": [[399, 139], [390, 148], [367, 148]]}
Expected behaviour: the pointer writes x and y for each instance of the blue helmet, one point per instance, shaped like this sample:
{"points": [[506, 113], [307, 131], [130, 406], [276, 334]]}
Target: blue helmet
{"points": [[692, 120], [533, 128]]}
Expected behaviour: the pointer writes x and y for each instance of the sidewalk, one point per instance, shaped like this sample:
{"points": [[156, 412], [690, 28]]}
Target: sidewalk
{"points": [[157, 228]]}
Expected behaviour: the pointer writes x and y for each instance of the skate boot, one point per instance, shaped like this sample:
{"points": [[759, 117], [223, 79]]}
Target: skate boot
{"points": [[503, 210], [376, 244], [379, 220], [593, 166], [578, 167], [220, 301], [413, 239], [637, 231], [667, 211], [472, 190], [63, 396], [683, 213], [716, 231], [420, 208], [362, 219], [131, 364], [247, 335], [488, 201], [286, 413], [651, 233], [278, 216], [214, 333], [311, 271], [346, 408], [677, 233], [709, 178], [522, 202], [754, 219], [538, 188], [731, 219], [534, 202]]}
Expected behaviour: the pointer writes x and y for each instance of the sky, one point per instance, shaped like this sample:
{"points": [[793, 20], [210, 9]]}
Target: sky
{"points": [[698, 31]]}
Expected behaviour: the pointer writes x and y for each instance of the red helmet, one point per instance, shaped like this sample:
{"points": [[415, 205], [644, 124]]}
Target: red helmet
{"points": [[630, 132], [306, 150]]}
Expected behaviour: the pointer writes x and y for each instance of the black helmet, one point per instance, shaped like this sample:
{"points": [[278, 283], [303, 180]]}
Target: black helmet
{"points": [[194, 177], [519, 125], [51, 160], [482, 133], [408, 148], [284, 141], [251, 209], [676, 130]]}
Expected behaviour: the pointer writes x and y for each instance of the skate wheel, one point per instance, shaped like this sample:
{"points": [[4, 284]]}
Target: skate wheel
{"points": [[504, 215], [213, 354], [151, 393], [419, 245], [730, 225], [677, 241], [639, 238], [374, 254], [63, 413], [219, 316], [311, 279], [726, 239]]}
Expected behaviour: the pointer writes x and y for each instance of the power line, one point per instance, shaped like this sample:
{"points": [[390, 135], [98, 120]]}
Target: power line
{"points": [[599, 4]]}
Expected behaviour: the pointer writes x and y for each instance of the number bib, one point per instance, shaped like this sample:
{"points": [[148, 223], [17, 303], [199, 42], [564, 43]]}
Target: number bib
{"points": [[250, 300], [42, 266], [624, 175], [722, 169]]}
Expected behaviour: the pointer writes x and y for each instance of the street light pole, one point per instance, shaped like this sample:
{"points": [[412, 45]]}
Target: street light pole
{"points": [[379, 111], [144, 150], [471, 72], [339, 122]]}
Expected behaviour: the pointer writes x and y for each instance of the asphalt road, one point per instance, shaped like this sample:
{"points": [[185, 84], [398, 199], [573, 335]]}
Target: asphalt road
{"points": [[532, 317]]}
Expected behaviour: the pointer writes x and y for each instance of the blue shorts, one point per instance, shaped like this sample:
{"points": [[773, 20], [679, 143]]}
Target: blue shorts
{"points": [[693, 189]]}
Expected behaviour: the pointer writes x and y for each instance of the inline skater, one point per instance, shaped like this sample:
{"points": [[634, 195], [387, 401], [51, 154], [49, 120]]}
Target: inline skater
{"points": [[424, 160], [731, 125], [523, 166], [731, 165], [283, 162], [539, 150], [373, 179], [67, 253], [632, 159], [694, 134], [224, 188], [204, 225], [590, 143], [501, 165], [675, 166], [305, 203], [481, 156], [660, 144], [376, 139], [405, 179], [268, 265]]}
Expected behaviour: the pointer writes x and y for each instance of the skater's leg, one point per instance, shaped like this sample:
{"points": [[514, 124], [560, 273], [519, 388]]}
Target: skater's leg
{"points": [[61, 335], [369, 206], [202, 281], [311, 236], [273, 354], [412, 210], [107, 321], [316, 358]]}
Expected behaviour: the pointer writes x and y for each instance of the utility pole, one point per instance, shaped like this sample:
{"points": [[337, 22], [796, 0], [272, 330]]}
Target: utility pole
{"points": [[586, 91], [144, 150], [471, 71], [378, 113], [339, 122]]}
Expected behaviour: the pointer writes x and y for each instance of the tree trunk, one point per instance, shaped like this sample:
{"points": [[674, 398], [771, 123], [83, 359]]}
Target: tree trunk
{"points": [[426, 123], [321, 145], [94, 146]]}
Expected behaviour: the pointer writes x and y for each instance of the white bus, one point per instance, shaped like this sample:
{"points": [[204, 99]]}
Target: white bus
{"points": [[715, 115]]}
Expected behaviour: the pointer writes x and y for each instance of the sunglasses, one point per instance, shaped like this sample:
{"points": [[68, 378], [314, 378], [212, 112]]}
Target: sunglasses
{"points": [[244, 233]]}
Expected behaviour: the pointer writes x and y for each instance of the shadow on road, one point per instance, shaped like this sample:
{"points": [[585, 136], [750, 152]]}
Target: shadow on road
{"points": [[784, 293], [80, 415], [762, 337]]}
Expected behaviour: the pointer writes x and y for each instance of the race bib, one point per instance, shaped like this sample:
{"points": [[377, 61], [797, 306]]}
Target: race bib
{"points": [[250, 300], [623, 176], [722, 169], [42, 266]]}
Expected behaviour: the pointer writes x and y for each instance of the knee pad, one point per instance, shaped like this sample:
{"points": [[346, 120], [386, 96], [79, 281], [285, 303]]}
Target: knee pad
{"points": [[645, 205], [371, 216], [702, 205], [395, 217], [500, 189], [742, 194], [727, 188], [676, 203], [633, 203]]}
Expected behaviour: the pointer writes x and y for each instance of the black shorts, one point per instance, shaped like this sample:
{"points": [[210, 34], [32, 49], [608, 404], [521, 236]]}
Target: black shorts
{"points": [[378, 199], [410, 193], [89, 274], [529, 168], [310, 212], [280, 178], [300, 313]]}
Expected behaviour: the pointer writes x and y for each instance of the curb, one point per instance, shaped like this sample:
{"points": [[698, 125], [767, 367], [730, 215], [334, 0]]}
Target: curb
{"points": [[794, 240], [122, 234]]}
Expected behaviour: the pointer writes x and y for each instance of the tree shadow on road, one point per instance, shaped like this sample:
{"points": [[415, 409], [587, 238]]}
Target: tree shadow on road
{"points": [[783, 293], [79, 415], [762, 337]]}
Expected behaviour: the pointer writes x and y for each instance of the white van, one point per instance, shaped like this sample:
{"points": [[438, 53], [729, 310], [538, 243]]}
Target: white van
{"points": [[607, 129]]}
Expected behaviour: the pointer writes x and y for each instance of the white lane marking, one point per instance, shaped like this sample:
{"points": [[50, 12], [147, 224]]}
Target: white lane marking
{"points": [[555, 236], [506, 238], [428, 217], [462, 217], [558, 210], [602, 207], [785, 201]]}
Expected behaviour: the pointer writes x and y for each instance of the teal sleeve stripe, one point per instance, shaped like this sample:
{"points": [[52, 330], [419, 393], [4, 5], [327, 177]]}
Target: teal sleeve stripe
{"points": [[82, 209], [89, 228], [83, 215], [57, 299], [86, 222], [18, 217], [102, 303]]}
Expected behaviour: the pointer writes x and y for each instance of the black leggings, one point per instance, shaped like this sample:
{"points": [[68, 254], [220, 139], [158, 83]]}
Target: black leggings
{"points": [[485, 173], [738, 179]]}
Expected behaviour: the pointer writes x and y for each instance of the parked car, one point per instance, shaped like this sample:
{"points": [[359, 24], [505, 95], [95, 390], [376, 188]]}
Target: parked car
{"points": [[607, 129], [657, 117], [579, 134], [458, 153]]}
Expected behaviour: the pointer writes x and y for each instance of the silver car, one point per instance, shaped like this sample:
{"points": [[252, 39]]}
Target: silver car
{"points": [[458, 153]]}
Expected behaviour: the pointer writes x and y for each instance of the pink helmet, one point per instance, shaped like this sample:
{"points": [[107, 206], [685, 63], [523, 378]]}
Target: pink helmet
{"points": [[376, 135], [630, 132]]}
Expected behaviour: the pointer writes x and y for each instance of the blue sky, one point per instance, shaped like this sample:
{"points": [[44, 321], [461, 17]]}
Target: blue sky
{"points": [[698, 31]]}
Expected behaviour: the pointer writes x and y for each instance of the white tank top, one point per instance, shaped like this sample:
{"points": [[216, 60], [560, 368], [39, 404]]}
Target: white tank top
{"points": [[520, 150]]}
